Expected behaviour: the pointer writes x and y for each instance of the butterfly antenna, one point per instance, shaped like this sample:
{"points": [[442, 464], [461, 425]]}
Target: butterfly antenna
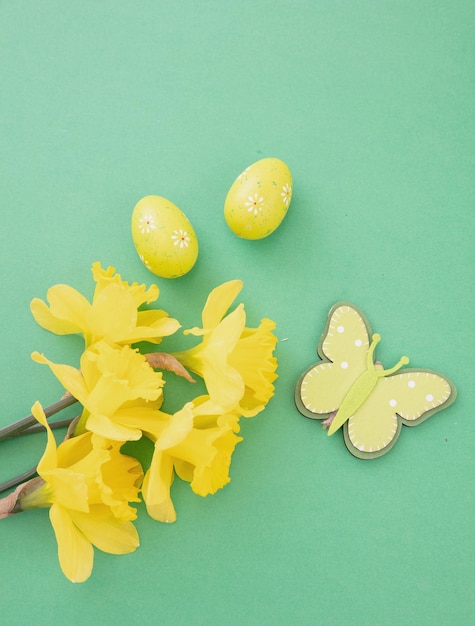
{"points": [[404, 360], [369, 357]]}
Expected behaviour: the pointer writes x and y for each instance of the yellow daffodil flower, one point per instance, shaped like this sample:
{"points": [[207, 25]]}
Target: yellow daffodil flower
{"points": [[87, 485], [112, 384], [236, 362], [197, 443], [113, 315]]}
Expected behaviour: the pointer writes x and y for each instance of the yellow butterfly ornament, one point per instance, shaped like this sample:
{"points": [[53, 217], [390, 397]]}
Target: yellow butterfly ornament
{"points": [[349, 389]]}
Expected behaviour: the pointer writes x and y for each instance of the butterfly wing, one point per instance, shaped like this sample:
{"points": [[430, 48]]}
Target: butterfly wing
{"points": [[409, 398], [343, 348], [374, 428], [419, 394]]}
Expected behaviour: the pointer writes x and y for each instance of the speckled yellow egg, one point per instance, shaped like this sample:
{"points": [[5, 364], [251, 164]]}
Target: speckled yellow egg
{"points": [[163, 237], [259, 199]]}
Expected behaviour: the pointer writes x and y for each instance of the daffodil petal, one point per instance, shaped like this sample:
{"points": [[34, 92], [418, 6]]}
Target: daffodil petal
{"points": [[107, 427], [75, 552], [219, 301], [156, 488], [49, 459], [225, 385], [183, 469], [147, 420], [145, 333], [88, 366], [217, 304], [158, 323], [68, 376], [73, 450], [43, 316], [106, 532], [67, 304], [179, 426]]}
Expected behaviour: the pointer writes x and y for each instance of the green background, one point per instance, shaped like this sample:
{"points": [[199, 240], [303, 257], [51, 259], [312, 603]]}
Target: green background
{"points": [[371, 104]]}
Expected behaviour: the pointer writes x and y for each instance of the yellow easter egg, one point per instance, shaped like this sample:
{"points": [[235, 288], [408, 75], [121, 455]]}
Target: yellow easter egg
{"points": [[259, 199], [163, 237]]}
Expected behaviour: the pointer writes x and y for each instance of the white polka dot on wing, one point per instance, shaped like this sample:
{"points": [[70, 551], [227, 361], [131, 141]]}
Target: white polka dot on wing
{"points": [[392, 403], [341, 329], [411, 383], [429, 397], [358, 343], [344, 365]]}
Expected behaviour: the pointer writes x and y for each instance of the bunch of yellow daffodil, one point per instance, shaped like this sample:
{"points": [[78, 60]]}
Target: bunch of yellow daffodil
{"points": [[86, 481]]}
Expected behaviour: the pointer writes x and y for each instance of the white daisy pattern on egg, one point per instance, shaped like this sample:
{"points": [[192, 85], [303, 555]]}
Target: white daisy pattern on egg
{"points": [[145, 262], [254, 204], [286, 194], [147, 224], [181, 238]]}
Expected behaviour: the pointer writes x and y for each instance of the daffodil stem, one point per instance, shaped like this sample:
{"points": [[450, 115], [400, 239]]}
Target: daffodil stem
{"points": [[38, 428], [24, 426], [29, 425], [21, 478]]}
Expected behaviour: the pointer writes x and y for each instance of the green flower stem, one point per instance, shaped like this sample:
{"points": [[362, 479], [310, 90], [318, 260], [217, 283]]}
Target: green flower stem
{"points": [[80, 427], [38, 428], [29, 425], [21, 478], [19, 427]]}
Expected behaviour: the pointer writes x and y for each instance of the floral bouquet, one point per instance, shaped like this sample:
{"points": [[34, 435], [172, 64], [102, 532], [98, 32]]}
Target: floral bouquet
{"points": [[88, 481]]}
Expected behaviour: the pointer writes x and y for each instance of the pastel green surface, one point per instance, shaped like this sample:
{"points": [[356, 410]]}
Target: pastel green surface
{"points": [[371, 107]]}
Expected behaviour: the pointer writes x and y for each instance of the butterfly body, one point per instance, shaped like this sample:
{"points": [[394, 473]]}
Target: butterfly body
{"points": [[368, 401], [356, 396]]}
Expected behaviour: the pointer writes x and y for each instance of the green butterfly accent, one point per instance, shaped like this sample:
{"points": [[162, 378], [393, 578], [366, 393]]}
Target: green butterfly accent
{"points": [[350, 390]]}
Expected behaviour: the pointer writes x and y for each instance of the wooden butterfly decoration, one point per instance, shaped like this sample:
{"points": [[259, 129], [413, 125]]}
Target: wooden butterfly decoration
{"points": [[350, 390]]}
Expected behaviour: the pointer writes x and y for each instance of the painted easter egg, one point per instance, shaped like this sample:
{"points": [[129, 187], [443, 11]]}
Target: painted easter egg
{"points": [[259, 199], [163, 237]]}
